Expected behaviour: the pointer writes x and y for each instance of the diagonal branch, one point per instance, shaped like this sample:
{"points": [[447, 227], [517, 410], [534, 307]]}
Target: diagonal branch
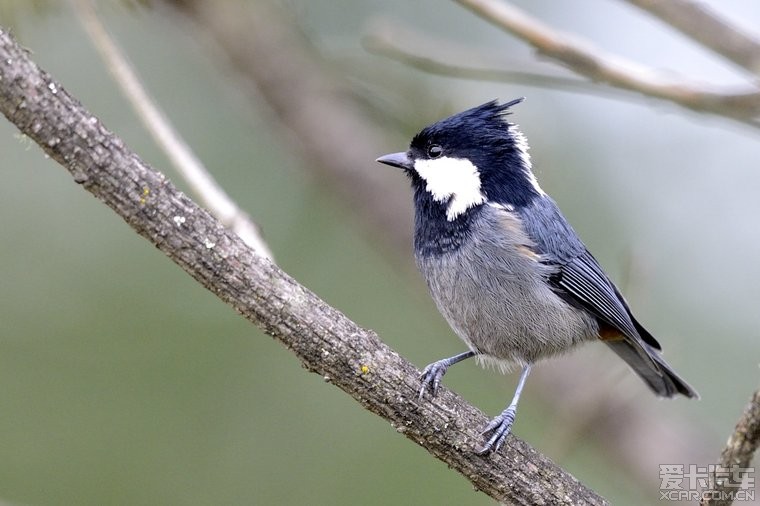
{"points": [[282, 73], [325, 340], [187, 164], [699, 22], [736, 457], [742, 105]]}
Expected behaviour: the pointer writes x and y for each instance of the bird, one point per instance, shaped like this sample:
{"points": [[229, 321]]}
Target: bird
{"points": [[504, 267]]}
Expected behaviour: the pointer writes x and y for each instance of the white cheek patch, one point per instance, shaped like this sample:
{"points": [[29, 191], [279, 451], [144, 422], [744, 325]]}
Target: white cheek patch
{"points": [[454, 178]]}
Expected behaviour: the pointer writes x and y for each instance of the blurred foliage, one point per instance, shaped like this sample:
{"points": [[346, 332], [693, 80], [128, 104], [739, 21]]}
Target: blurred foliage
{"points": [[124, 382]]}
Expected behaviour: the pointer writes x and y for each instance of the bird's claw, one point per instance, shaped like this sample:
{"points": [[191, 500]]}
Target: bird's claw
{"points": [[431, 377], [499, 427]]}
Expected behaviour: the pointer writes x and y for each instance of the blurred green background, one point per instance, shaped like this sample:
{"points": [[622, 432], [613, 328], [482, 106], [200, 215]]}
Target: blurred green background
{"points": [[122, 381]]}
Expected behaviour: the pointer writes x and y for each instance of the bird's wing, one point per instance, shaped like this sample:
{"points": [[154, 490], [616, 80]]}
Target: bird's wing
{"points": [[584, 280], [577, 275]]}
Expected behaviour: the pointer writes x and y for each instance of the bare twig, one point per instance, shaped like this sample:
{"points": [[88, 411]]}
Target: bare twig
{"points": [[443, 58], [742, 105], [327, 342], [189, 166], [322, 122], [736, 456], [707, 27]]}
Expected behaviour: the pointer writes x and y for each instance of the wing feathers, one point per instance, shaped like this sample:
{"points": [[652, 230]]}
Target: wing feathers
{"points": [[580, 280], [583, 278]]}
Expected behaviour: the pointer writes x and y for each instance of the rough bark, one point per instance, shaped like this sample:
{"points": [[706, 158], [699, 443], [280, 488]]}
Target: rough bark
{"points": [[326, 342], [738, 454]]}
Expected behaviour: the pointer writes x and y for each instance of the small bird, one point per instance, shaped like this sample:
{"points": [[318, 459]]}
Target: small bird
{"points": [[504, 267]]}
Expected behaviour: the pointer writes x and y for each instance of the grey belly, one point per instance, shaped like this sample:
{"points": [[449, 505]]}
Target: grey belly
{"points": [[498, 303]]}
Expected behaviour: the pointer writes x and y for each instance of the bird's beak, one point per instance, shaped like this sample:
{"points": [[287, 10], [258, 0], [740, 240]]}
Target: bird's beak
{"points": [[400, 160]]}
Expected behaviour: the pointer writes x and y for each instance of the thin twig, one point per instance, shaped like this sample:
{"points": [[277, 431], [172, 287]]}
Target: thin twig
{"points": [[736, 457], [444, 58], [325, 340], [742, 105], [322, 122], [707, 27], [189, 166]]}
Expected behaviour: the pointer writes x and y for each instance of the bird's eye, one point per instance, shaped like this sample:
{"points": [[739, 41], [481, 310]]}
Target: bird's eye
{"points": [[435, 151]]}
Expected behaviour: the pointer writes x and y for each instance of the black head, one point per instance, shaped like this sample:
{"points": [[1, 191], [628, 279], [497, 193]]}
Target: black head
{"points": [[469, 159]]}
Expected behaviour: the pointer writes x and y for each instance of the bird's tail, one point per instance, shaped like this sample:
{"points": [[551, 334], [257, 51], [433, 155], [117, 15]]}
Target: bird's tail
{"points": [[656, 373]]}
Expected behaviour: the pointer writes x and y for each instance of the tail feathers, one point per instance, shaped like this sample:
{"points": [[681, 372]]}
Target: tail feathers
{"points": [[656, 373]]}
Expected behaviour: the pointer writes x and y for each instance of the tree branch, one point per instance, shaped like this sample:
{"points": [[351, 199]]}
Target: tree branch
{"points": [[440, 57], [742, 105], [187, 164], [318, 115], [326, 342], [738, 454], [708, 28]]}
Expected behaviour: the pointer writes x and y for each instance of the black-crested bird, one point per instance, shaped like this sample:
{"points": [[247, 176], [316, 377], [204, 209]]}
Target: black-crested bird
{"points": [[503, 265]]}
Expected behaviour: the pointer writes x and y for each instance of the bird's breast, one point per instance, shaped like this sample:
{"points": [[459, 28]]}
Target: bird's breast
{"points": [[492, 289]]}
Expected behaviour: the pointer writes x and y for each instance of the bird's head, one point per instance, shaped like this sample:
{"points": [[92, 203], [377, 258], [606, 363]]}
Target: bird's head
{"points": [[469, 159]]}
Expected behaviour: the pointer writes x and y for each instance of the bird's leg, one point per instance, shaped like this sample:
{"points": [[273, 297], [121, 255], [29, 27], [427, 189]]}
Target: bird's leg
{"points": [[502, 424], [432, 374]]}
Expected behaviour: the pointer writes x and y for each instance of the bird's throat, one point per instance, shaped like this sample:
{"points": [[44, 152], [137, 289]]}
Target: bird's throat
{"points": [[434, 233]]}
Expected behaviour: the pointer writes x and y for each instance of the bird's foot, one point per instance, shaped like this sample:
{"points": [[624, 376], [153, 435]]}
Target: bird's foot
{"points": [[431, 377], [499, 428]]}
